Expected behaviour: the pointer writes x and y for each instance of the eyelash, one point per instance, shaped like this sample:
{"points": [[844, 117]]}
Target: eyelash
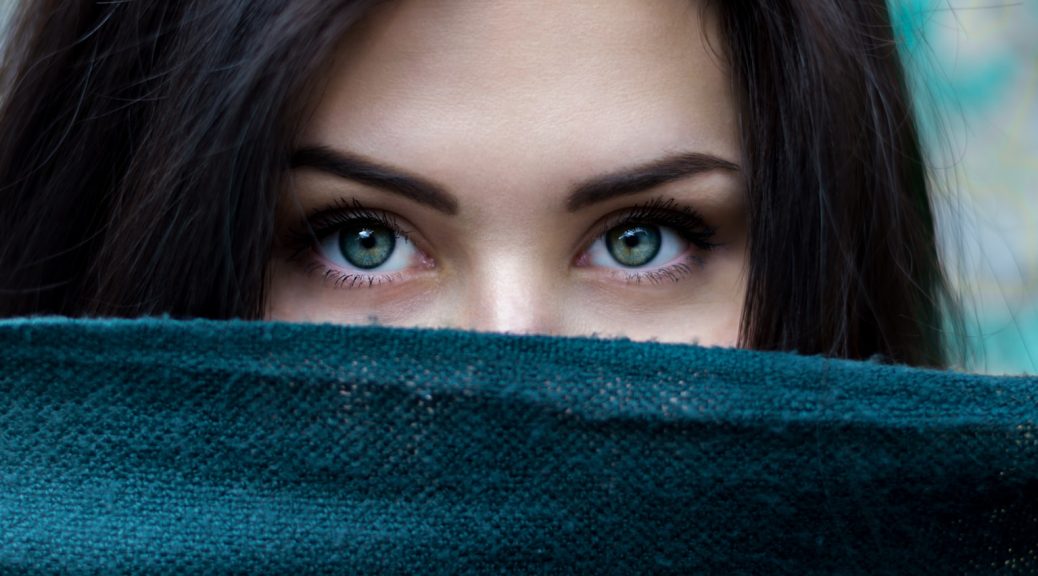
{"points": [[663, 212], [305, 239]]}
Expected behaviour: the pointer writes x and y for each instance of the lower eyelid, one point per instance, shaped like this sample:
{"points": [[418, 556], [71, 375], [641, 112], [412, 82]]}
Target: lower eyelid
{"points": [[683, 267], [316, 264], [674, 272], [344, 279]]}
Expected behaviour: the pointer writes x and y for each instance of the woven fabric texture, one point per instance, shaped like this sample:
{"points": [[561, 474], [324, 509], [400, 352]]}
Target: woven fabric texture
{"points": [[164, 447]]}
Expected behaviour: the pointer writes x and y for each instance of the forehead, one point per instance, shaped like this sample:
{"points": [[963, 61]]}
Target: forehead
{"points": [[527, 93]]}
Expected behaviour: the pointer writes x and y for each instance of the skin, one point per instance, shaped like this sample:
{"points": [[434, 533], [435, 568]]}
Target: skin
{"points": [[507, 106]]}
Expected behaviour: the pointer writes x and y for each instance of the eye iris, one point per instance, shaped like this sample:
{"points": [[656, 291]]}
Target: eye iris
{"points": [[634, 246], [367, 246]]}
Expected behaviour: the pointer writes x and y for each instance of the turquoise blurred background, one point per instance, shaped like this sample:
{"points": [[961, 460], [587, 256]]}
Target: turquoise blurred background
{"points": [[974, 68]]}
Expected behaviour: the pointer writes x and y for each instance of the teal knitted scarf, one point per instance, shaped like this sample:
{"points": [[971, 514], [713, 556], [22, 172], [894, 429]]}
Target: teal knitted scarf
{"points": [[163, 446]]}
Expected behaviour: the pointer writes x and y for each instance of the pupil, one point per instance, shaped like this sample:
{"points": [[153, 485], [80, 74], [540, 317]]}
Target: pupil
{"points": [[634, 246], [367, 246]]}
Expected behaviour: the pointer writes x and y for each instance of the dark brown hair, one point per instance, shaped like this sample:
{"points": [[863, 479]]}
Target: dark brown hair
{"points": [[143, 146]]}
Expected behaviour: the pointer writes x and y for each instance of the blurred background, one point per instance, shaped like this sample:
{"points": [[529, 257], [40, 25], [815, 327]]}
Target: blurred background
{"points": [[974, 67]]}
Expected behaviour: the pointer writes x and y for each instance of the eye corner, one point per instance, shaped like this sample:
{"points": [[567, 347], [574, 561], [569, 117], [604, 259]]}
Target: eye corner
{"points": [[583, 258]]}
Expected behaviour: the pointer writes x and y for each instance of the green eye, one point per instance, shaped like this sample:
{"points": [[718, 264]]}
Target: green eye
{"points": [[634, 246], [367, 246]]}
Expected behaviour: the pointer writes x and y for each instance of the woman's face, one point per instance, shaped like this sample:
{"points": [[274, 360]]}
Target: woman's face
{"points": [[526, 166]]}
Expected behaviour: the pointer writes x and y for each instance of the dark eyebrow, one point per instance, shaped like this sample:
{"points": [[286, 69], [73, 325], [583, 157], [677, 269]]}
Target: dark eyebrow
{"points": [[644, 177], [353, 167]]}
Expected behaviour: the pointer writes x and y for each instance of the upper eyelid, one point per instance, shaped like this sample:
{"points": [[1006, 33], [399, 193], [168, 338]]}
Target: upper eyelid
{"points": [[655, 209], [356, 211], [321, 220], [649, 212], [305, 235]]}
